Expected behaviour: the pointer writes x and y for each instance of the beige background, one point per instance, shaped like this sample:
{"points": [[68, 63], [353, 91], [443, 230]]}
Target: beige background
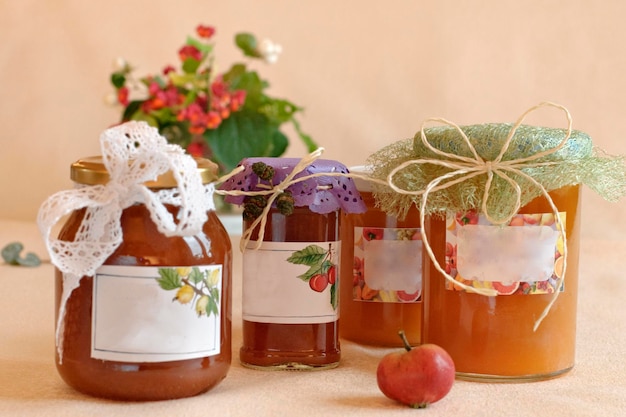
{"points": [[368, 72]]}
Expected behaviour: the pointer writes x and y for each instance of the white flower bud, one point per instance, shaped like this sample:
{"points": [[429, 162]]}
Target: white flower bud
{"points": [[120, 64], [270, 51], [110, 99]]}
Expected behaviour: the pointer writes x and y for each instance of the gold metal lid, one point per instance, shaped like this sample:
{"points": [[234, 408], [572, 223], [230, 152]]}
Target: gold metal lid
{"points": [[91, 171]]}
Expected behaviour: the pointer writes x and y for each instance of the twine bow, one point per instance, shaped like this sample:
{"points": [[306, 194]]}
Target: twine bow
{"points": [[133, 153], [463, 168], [273, 193]]}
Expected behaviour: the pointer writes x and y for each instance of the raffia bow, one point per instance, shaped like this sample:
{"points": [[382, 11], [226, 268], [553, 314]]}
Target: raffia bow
{"points": [[464, 168]]}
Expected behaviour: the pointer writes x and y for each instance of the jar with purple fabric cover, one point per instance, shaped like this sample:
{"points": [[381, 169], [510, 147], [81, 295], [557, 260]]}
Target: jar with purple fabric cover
{"points": [[291, 260]]}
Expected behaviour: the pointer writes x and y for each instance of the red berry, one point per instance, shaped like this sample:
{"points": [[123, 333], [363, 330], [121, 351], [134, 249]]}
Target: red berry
{"points": [[318, 282], [332, 274]]}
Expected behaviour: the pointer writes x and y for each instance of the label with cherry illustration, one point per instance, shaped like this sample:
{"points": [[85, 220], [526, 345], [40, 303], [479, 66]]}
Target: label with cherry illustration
{"points": [[156, 314], [387, 265], [522, 257], [291, 282]]}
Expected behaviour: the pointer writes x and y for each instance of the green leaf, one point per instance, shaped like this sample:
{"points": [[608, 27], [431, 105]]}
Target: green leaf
{"points": [[244, 134], [196, 276], [313, 270], [190, 65], [311, 255], [11, 255], [176, 133], [333, 296], [182, 80], [131, 109], [118, 79], [212, 306], [170, 280], [29, 260], [279, 110], [248, 44], [11, 252], [239, 78], [143, 117], [278, 144], [326, 266], [205, 48]]}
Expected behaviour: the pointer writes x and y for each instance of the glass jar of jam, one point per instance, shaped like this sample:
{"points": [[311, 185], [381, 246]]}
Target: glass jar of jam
{"points": [[153, 322], [383, 256], [492, 338], [291, 262]]}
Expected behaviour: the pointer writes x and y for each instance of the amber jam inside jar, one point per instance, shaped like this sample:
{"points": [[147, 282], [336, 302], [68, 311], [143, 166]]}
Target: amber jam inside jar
{"points": [[87, 335], [491, 338], [374, 314], [306, 345]]}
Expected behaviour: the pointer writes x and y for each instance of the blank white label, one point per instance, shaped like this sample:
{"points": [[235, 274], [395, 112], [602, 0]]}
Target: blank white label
{"points": [[135, 320]]}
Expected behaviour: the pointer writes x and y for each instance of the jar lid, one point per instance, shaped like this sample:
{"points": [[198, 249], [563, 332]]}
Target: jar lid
{"points": [[321, 193], [362, 184], [92, 171]]}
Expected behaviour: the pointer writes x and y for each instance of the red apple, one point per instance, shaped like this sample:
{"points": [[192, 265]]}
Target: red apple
{"points": [[418, 376]]}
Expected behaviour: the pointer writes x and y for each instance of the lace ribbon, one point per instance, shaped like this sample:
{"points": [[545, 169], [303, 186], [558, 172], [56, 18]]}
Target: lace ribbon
{"points": [[133, 154], [464, 168]]}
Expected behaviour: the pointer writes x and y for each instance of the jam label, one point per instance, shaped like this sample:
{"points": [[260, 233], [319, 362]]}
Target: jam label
{"points": [[291, 282], [523, 257], [387, 265], [156, 314]]}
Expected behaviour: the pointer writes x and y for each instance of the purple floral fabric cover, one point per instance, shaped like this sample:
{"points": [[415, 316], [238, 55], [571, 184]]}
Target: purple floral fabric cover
{"points": [[313, 192]]}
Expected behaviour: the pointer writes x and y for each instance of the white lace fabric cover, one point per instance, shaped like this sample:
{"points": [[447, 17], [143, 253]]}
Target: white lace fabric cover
{"points": [[133, 154]]}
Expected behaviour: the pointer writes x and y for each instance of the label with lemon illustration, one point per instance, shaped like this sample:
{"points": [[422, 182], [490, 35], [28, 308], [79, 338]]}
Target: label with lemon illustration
{"points": [[522, 257], [156, 314], [387, 265]]}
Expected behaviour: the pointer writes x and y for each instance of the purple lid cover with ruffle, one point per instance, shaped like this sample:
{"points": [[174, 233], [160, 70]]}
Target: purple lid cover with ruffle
{"points": [[322, 194]]}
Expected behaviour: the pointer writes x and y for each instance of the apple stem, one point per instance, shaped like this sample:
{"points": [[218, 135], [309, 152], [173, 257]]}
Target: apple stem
{"points": [[407, 346]]}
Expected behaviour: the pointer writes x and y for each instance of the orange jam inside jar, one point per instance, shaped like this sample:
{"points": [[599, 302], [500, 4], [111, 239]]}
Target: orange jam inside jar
{"points": [[390, 250], [291, 268], [140, 328], [491, 338]]}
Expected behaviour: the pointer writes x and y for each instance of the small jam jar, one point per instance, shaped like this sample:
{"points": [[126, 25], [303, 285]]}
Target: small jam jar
{"points": [[381, 271], [492, 338], [153, 323], [291, 281]]}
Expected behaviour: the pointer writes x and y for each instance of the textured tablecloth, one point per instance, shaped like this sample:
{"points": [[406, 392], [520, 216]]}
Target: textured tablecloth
{"points": [[30, 385]]}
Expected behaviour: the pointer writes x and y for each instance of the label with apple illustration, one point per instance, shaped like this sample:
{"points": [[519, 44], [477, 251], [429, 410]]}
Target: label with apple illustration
{"points": [[387, 265], [523, 257], [291, 282]]}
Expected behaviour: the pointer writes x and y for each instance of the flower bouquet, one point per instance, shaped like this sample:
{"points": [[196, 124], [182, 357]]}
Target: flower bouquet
{"points": [[222, 116]]}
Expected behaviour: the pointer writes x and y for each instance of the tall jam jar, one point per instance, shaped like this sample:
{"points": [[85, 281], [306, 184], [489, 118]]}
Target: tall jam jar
{"points": [[291, 263], [492, 338], [381, 270], [154, 322], [505, 309]]}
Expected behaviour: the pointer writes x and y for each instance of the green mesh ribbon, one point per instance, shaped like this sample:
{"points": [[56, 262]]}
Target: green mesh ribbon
{"points": [[494, 168], [576, 162]]}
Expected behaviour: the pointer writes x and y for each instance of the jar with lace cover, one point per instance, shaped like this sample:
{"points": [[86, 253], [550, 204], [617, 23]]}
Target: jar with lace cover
{"points": [[153, 321]]}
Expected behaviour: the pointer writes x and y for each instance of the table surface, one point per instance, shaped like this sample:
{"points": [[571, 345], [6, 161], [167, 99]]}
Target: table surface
{"points": [[30, 385]]}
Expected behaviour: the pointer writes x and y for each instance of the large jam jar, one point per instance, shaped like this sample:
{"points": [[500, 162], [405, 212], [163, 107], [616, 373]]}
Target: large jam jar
{"points": [[154, 321], [493, 338]]}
